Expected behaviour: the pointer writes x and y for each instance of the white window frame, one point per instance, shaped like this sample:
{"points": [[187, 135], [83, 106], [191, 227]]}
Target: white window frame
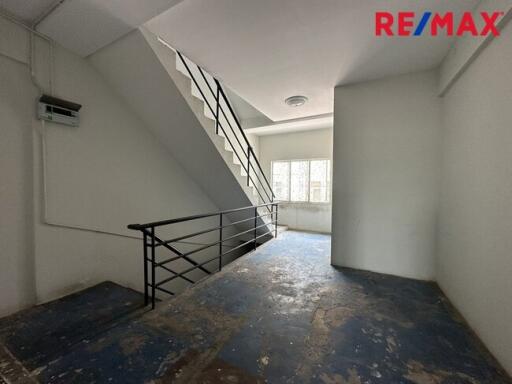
{"points": [[328, 179]]}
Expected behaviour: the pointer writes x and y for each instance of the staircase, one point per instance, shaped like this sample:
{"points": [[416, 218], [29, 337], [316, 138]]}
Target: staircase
{"points": [[218, 118], [187, 109], [226, 125]]}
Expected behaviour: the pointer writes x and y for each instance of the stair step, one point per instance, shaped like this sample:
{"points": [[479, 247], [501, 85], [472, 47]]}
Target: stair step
{"points": [[229, 140], [38, 335]]}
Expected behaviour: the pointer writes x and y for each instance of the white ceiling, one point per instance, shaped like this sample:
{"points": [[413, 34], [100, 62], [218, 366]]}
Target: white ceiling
{"points": [[26, 10], [268, 50], [264, 50], [294, 125], [84, 26], [249, 116]]}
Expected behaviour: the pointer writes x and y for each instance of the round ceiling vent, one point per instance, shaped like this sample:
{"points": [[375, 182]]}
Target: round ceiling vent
{"points": [[296, 101]]}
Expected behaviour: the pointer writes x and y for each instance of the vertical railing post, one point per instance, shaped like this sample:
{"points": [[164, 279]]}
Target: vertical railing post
{"points": [[153, 279], [275, 224], [220, 242], [249, 150], [217, 111], [255, 225], [145, 254]]}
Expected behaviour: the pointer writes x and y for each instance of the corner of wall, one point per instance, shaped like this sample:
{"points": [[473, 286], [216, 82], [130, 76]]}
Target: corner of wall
{"points": [[466, 49]]}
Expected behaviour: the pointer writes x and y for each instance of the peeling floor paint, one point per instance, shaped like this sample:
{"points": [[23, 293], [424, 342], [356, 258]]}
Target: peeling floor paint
{"points": [[282, 314]]}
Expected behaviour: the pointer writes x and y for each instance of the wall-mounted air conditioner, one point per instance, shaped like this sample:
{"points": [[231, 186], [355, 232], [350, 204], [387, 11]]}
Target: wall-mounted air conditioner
{"points": [[58, 111]]}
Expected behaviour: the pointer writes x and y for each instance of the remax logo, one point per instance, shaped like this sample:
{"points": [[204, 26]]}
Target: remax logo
{"points": [[403, 24]]}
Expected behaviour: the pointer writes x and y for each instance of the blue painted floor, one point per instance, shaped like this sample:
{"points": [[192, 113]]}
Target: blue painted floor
{"points": [[279, 315], [41, 334]]}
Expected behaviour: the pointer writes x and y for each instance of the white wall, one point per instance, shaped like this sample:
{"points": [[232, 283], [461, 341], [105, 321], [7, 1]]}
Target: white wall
{"points": [[101, 176], [475, 242], [16, 219], [143, 72], [467, 48], [386, 170], [313, 144]]}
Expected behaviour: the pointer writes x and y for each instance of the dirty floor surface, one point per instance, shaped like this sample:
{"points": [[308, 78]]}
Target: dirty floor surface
{"points": [[279, 315]]}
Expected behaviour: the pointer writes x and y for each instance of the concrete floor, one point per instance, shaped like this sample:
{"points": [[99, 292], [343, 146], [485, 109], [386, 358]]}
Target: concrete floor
{"points": [[279, 315]]}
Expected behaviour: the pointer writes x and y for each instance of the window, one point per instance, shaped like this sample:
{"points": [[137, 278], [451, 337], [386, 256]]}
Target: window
{"points": [[301, 180], [319, 175], [281, 179]]}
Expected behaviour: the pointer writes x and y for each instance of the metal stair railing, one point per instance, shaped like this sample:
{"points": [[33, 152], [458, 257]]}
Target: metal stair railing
{"points": [[221, 109], [151, 241]]}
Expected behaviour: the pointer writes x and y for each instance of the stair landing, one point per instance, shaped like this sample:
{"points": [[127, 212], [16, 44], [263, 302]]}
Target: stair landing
{"points": [[44, 333]]}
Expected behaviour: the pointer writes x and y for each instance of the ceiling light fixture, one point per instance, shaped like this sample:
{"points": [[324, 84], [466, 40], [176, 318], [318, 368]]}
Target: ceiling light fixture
{"points": [[296, 101]]}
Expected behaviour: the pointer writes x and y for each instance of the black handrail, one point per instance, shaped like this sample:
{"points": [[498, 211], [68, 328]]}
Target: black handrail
{"points": [[151, 242], [219, 125], [194, 217], [216, 111]]}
